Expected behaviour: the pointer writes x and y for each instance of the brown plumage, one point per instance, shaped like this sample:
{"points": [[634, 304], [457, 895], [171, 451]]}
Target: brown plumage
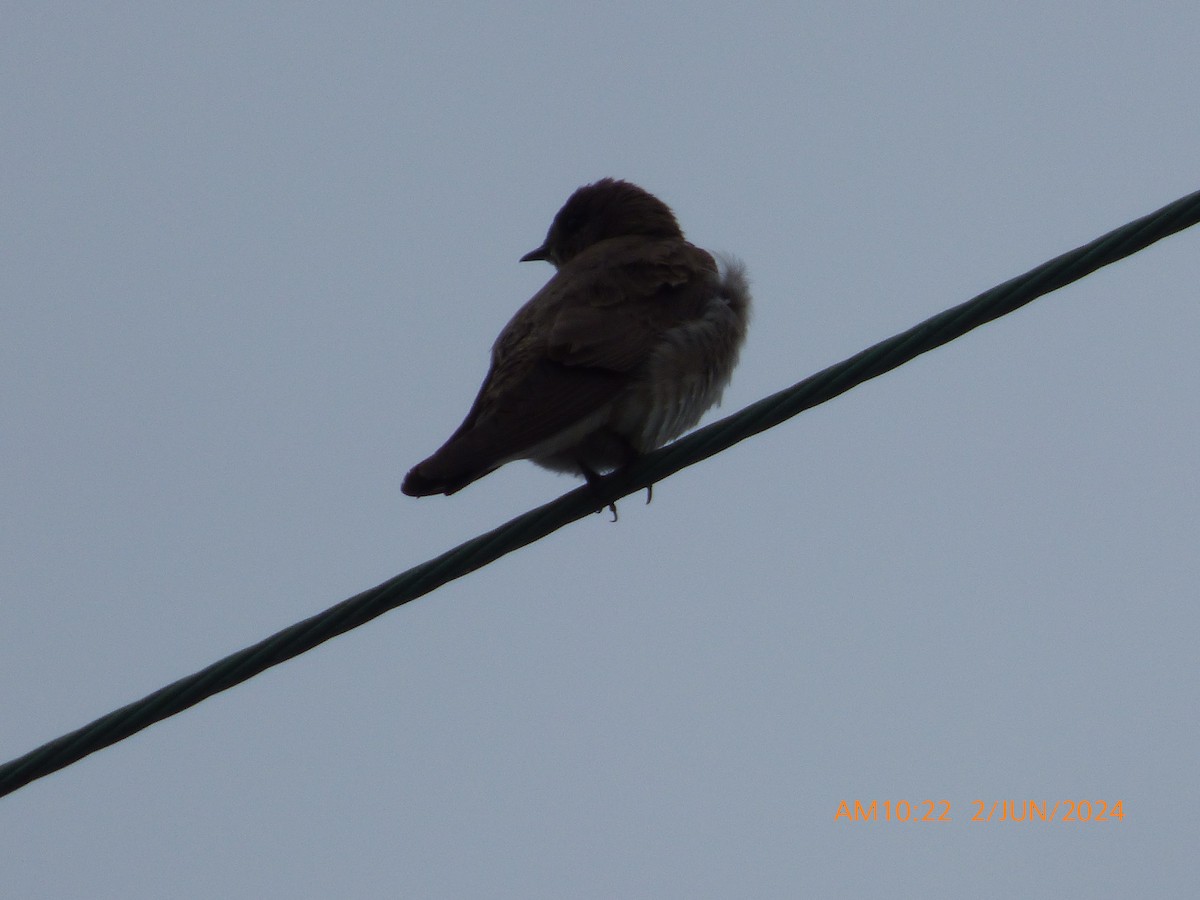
{"points": [[624, 349]]}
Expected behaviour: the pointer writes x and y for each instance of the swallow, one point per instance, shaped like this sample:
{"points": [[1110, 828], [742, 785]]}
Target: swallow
{"points": [[630, 342]]}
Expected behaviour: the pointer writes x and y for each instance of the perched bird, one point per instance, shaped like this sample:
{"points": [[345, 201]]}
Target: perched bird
{"points": [[624, 349]]}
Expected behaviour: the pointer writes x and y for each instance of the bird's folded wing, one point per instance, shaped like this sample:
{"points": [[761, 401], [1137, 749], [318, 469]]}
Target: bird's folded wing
{"points": [[616, 317]]}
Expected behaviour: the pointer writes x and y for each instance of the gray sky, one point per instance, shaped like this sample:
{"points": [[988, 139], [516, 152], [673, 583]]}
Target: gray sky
{"points": [[253, 259]]}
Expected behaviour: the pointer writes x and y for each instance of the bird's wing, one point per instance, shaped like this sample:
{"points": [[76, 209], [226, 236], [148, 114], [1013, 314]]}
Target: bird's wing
{"points": [[629, 297], [568, 353]]}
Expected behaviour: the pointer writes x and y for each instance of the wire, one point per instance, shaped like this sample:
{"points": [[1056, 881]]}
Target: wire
{"points": [[581, 502]]}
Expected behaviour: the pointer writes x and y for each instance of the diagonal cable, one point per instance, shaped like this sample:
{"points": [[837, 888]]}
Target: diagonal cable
{"points": [[537, 523]]}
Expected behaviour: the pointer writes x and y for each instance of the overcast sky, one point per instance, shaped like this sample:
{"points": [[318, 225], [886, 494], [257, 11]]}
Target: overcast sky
{"points": [[254, 255]]}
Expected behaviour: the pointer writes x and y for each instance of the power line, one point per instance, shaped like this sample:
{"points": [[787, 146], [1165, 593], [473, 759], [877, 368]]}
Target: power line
{"points": [[537, 523]]}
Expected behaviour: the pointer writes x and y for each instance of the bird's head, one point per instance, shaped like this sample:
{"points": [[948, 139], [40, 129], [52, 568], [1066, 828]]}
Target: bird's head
{"points": [[596, 212]]}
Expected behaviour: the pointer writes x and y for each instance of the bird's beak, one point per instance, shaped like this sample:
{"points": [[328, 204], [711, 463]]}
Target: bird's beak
{"points": [[540, 253]]}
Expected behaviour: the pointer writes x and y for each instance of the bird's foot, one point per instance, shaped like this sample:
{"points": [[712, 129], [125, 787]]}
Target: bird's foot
{"points": [[594, 479]]}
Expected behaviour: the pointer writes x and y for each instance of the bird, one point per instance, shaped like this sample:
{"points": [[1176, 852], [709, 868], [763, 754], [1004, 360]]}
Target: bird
{"points": [[628, 344]]}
